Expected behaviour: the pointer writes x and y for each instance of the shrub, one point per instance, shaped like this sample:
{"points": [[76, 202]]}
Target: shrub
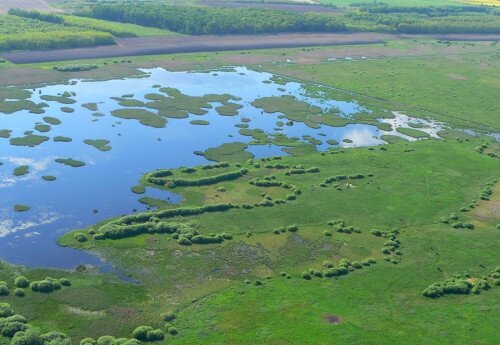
{"points": [[5, 310], [376, 232], [357, 265], [105, 340], [457, 225], [258, 283], [292, 228], [141, 333], [168, 316], [453, 216], [64, 282], [469, 226], [21, 282], [19, 292], [46, 285], [155, 335], [327, 233], [87, 341], [184, 241], [4, 290], [172, 331], [327, 264], [386, 251], [80, 237], [11, 328], [306, 275]]}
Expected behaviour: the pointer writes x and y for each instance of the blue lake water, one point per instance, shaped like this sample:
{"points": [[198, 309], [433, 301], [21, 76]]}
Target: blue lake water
{"points": [[103, 184]]}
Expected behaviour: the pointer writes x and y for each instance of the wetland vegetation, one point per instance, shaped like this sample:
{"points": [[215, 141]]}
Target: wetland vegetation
{"points": [[345, 194]]}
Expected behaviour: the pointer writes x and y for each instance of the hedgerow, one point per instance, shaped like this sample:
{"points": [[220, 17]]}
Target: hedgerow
{"points": [[202, 181]]}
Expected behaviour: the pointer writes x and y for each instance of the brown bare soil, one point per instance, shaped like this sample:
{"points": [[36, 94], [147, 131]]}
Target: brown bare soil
{"points": [[297, 7], [189, 44], [210, 43], [332, 319], [40, 5]]}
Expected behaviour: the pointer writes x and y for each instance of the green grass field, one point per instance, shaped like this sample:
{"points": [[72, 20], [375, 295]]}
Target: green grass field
{"points": [[458, 89]]}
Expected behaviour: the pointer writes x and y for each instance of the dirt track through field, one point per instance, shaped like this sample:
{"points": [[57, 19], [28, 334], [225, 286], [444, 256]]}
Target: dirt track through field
{"points": [[297, 7], [191, 44], [40, 5]]}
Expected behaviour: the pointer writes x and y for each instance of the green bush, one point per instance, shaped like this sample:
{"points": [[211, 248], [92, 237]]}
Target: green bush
{"points": [[80, 237], [5, 310], [168, 316], [306, 275], [4, 290], [105, 340], [141, 333], [11, 328], [64, 282], [87, 341], [19, 292], [172, 331], [21, 282], [155, 335]]}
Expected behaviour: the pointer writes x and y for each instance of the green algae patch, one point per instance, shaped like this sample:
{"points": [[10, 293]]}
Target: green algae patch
{"points": [[100, 144], [332, 142], [70, 162], [30, 140], [5, 133], [59, 99], [229, 152], [145, 117], [42, 128], [49, 178], [21, 208], [229, 109], [199, 122], [414, 133], [21, 170], [393, 139], [62, 139], [52, 120], [90, 106], [131, 103], [138, 189], [13, 106], [67, 110]]}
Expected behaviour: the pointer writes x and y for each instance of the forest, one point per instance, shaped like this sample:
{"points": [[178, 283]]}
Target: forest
{"points": [[377, 17]]}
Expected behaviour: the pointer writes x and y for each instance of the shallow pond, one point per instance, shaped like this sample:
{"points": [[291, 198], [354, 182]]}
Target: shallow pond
{"points": [[101, 189]]}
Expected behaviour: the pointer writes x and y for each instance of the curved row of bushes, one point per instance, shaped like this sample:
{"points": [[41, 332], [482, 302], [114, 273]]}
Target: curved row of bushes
{"points": [[344, 267], [202, 181], [463, 284]]}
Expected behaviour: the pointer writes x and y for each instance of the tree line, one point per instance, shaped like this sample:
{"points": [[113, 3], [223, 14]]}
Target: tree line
{"points": [[378, 17]]}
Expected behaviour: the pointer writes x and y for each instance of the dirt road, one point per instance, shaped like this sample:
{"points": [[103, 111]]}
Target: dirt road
{"points": [[39, 5], [190, 44]]}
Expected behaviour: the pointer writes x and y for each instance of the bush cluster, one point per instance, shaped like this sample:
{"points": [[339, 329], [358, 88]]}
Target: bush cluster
{"points": [[49, 284], [151, 222], [340, 226], [345, 177], [202, 181], [75, 68], [4, 289]]}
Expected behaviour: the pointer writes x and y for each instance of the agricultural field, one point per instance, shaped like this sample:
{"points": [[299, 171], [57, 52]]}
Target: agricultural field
{"points": [[342, 192]]}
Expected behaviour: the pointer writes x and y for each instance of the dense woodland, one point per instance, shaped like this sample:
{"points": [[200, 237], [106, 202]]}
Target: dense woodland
{"points": [[364, 17]]}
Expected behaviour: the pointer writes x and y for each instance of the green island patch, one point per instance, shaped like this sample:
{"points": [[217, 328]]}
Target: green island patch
{"points": [[100, 144], [62, 139], [42, 128], [229, 152], [21, 208], [70, 162], [30, 140], [49, 178], [145, 117], [52, 120], [199, 122], [21, 170], [414, 133], [5, 133]]}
